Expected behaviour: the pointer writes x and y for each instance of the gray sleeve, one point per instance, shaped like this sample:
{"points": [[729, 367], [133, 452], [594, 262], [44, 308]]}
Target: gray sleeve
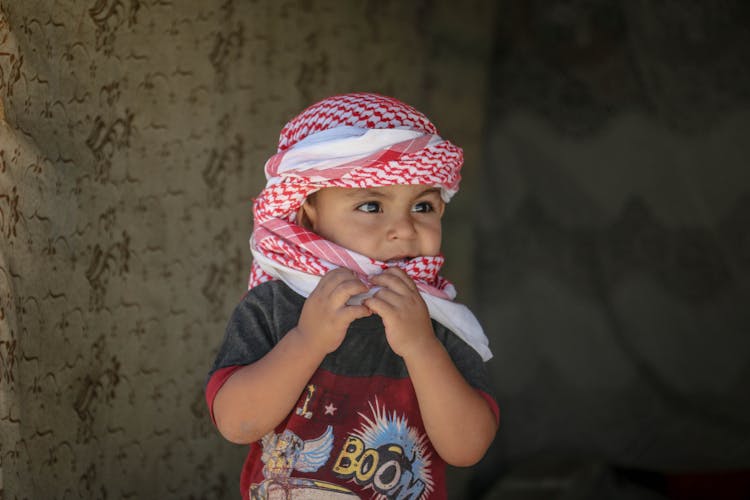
{"points": [[247, 337], [257, 324]]}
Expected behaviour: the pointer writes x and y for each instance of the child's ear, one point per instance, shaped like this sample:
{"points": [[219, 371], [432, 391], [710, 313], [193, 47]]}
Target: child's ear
{"points": [[307, 215]]}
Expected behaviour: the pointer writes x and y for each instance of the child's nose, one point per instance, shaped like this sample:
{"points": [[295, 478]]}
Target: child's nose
{"points": [[402, 227]]}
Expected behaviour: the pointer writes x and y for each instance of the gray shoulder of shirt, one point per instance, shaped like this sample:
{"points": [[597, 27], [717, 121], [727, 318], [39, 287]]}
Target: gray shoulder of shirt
{"points": [[272, 292], [273, 300], [455, 345]]}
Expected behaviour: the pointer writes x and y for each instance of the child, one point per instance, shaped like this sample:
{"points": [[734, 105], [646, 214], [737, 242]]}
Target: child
{"points": [[347, 365]]}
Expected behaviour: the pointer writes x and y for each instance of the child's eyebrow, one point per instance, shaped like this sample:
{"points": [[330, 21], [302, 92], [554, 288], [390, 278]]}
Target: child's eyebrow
{"points": [[365, 193], [429, 190], [372, 193]]}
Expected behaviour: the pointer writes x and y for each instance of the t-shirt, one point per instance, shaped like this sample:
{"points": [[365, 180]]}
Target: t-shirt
{"points": [[356, 430]]}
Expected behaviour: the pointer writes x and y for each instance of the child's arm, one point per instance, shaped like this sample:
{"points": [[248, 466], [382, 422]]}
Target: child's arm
{"points": [[257, 397], [457, 418]]}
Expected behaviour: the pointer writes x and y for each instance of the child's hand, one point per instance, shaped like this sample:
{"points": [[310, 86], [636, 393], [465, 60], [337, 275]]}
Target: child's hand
{"points": [[404, 312], [325, 316]]}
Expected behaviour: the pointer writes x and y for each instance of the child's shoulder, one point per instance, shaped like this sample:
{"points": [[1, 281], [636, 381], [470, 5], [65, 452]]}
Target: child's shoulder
{"points": [[270, 306], [275, 294]]}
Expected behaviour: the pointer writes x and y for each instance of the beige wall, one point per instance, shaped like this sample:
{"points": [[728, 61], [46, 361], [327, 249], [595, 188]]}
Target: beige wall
{"points": [[132, 137]]}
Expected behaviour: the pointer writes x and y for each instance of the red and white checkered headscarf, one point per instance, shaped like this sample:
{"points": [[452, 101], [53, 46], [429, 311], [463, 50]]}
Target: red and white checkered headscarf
{"points": [[354, 140]]}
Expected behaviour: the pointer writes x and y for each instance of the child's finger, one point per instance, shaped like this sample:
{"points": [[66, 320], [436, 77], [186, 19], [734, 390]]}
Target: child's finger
{"points": [[355, 312], [390, 295], [344, 290], [390, 298], [394, 281], [378, 305], [359, 298], [400, 274], [337, 275], [397, 271], [332, 279]]}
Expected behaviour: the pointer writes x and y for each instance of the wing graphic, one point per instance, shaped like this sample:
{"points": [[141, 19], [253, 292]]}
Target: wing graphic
{"points": [[315, 452]]}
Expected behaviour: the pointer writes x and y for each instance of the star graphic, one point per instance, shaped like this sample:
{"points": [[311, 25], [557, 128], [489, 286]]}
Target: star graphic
{"points": [[330, 409]]}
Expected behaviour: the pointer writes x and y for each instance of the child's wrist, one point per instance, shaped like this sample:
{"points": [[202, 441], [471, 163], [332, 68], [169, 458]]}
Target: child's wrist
{"points": [[308, 343], [302, 337], [426, 348]]}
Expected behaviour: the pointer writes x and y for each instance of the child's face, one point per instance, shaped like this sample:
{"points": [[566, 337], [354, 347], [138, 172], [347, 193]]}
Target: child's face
{"points": [[388, 223]]}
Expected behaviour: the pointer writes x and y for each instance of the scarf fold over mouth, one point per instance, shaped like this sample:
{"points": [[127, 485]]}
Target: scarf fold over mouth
{"points": [[298, 248], [344, 155]]}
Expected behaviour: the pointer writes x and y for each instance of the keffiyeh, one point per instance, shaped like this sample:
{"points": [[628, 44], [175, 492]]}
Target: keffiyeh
{"points": [[355, 141]]}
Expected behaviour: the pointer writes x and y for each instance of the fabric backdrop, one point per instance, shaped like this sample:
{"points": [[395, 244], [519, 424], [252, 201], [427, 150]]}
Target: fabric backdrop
{"points": [[133, 135]]}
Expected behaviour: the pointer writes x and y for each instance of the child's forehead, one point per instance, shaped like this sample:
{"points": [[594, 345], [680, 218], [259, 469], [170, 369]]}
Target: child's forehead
{"points": [[392, 191]]}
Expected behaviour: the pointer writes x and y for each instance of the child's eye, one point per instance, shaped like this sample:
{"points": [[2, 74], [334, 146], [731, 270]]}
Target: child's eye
{"points": [[370, 207], [423, 207]]}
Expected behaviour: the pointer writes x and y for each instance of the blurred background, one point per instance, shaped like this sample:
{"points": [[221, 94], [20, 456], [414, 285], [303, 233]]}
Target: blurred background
{"points": [[602, 233]]}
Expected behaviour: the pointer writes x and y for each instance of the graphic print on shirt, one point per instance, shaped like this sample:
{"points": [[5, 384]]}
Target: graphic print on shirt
{"points": [[387, 456], [321, 404], [286, 452], [303, 410]]}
